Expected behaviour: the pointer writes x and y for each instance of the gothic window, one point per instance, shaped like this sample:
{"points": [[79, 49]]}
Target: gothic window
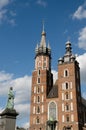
{"points": [[38, 80], [67, 118], [38, 72], [66, 73], [37, 120], [52, 111], [38, 109], [66, 95], [38, 99], [67, 107], [66, 86]]}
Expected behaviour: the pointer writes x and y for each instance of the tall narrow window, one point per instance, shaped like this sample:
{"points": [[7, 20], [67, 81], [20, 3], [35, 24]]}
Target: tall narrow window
{"points": [[52, 111], [38, 109], [66, 96], [66, 73], [67, 118], [38, 72], [66, 85], [37, 120], [67, 107], [38, 99], [38, 80]]}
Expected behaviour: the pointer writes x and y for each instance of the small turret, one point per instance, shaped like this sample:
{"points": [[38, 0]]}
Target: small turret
{"points": [[68, 56]]}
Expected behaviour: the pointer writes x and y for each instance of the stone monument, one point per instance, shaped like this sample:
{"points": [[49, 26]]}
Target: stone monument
{"points": [[8, 116]]}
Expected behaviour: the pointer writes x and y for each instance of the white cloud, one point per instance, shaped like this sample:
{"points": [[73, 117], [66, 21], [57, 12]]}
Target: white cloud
{"points": [[4, 3], [55, 75], [80, 13], [42, 3], [82, 38], [26, 125], [82, 64], [6, 15]]}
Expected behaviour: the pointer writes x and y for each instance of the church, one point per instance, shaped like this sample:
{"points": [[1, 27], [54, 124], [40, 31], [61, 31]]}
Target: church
{"points": [[58, 106]]}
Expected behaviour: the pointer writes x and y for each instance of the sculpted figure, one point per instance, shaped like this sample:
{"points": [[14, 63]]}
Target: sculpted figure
{"points": [[10, 102]]}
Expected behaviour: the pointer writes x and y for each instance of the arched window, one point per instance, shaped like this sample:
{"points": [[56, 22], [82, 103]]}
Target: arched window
{"points": [[66, 85], [52, 111], [38, 99], [38, 109], [67, 118], [37, 120], [66, 73], [67, 107], [66, 95], [38, 72]]}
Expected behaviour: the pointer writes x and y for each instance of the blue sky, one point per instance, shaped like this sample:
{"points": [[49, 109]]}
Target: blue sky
{"points": [[20, 31]]}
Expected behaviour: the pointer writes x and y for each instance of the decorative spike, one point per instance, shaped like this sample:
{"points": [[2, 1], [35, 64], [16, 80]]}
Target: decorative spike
{"points": [[49, 45]]}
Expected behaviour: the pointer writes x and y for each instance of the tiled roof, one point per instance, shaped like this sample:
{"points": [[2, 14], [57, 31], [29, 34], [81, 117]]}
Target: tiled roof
{"points": [[53, 92]]}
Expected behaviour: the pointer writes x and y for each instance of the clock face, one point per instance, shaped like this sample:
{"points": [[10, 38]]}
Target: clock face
{"points": [[52, 111]]}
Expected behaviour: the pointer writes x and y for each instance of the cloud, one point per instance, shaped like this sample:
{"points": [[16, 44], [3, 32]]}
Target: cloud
{"points": [[4, 3], [82, 38], [41, 3], [82, 64], [80, 13], [55, 75], [6, 15]]}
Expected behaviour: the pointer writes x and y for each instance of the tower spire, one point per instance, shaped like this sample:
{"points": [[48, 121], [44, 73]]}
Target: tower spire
{"points": [[43, 25], [43, 38]]}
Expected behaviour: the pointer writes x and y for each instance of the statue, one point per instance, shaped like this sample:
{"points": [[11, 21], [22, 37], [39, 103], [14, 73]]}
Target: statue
{"points": [[10, 102]]}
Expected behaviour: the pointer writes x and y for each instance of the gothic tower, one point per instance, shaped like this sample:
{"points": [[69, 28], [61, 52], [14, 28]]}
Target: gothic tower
{"points": [[56, 106], [42, 80], [70, 115]]}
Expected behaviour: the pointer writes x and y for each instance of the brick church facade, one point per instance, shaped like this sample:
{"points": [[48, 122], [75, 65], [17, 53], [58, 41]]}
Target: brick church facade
{"points": [[58, 106]]}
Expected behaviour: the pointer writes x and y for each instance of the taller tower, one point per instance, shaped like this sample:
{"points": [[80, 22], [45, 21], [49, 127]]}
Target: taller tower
{"points": [[70, 114], [42, 80]]}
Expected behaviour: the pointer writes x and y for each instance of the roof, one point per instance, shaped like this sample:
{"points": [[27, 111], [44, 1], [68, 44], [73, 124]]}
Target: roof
{"points": [[53, 92]]}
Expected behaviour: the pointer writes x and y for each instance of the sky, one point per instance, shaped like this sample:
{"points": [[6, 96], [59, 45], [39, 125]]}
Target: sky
{"points": [[21, 23]]}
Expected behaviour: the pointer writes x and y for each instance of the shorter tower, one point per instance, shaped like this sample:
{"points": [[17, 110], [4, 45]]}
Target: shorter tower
{"points": [[69, 90]]}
